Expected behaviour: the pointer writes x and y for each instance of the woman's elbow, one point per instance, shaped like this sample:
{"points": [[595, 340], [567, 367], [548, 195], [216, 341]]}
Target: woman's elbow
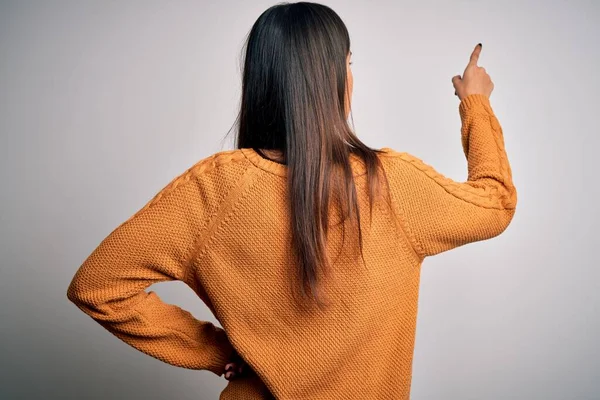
{"points": [[74, 291], [502, 220], [89, 300]]}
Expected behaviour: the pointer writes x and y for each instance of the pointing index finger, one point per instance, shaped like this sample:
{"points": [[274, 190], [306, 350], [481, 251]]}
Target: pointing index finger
{"points": [[475, 55]]}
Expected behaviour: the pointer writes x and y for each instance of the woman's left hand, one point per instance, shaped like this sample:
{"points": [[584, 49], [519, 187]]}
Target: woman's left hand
{"points": [[236, 368]]}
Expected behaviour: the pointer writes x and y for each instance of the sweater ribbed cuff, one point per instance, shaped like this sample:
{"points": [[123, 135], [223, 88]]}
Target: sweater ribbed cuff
{"points": [[475, 102], [223, 351]]}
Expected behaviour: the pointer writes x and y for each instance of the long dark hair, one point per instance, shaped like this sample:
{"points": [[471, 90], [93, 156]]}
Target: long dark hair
{"points": [[293, 100]]}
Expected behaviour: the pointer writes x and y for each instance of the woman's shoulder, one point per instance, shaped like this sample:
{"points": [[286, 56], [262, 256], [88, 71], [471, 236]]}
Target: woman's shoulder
{"points": [[209, 163], [390, 153]]}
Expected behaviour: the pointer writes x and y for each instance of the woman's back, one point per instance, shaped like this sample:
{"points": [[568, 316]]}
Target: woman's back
{"points": [[222, 227]]}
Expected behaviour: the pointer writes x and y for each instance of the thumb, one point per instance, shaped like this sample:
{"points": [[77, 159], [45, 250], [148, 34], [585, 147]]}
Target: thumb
{"points": [[456, 81]]}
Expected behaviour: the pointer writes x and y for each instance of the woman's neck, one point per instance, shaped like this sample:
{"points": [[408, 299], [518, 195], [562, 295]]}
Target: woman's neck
{"points": [[274, 155]]}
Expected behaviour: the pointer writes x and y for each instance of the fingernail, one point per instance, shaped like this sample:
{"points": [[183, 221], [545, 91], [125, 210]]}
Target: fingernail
{"points": [[228, 375]]}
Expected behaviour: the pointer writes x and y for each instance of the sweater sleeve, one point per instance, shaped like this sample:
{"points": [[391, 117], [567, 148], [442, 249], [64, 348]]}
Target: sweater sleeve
{"points": [[439, 213], [155, 244]]}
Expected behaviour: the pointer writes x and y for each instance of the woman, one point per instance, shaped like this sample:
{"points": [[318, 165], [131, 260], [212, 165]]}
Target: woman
{"points": [[305, 243]]}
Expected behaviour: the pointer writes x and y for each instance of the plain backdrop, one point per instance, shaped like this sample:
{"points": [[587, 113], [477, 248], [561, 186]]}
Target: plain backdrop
{"points": [[103, 102]]}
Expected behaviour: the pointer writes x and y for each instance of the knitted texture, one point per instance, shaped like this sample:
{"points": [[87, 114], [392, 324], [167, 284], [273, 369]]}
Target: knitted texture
{"points": [[223, 228]]}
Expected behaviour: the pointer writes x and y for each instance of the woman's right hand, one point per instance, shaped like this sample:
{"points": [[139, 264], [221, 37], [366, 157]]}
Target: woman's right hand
{"points": [[474, 79]]}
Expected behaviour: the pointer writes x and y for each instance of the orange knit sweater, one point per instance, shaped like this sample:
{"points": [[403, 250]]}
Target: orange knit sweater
{"points": [[221, 227]]}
